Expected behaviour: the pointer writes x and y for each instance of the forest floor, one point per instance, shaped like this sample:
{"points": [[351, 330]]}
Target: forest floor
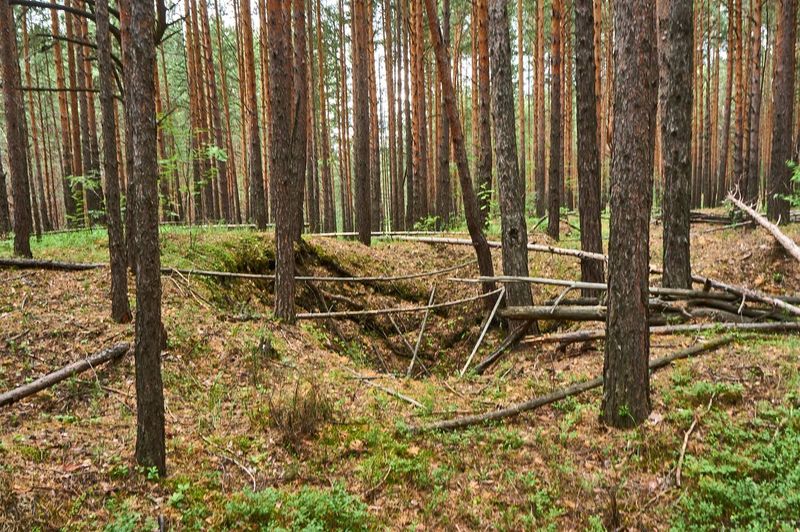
{"points": [[268, 425]]}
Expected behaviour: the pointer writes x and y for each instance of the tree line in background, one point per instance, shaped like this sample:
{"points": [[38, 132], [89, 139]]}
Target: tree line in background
{"points": [[214, 106], [357, 115]]}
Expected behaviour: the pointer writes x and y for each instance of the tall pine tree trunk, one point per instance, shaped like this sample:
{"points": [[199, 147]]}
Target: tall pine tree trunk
{"points": [[556, 173], [676, 117], [783, 102], [16, 131], [511, 183], [588, 150], [626, 381]]}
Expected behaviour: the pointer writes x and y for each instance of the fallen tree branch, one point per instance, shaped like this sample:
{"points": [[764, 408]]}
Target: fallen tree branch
{"points": [[575, 389], [386, 389], [421, 332], [396, 310], [485, 328], [788, 244], [542, 248], [34, 264], [743, 292], [101, 357], [586, 335]]}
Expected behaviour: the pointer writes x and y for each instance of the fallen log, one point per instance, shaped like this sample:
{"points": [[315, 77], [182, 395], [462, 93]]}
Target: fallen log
{"points": [[542, 248], [582, 313], [747, 293], [35, 264], [575, 389], [101, 357], [586, 335], [788, 244]]}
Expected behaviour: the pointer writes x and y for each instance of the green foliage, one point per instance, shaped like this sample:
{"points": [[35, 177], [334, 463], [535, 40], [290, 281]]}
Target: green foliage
{"points": [[125, 519], [794, 198], [310, 509], [749, 477]]}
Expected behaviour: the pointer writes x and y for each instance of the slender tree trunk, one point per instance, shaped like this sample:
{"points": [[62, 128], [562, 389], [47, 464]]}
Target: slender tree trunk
{"points": [[484, 167], [753, 159], [626, 381], [410, 157], [444, 191], [511, 183], [541, 194], [361, 120], [588, 150], [738, 134], [257, 192], [120, 309], [676, 61], [16, 131], [392, 118], [376, 214], [299, 113], [556, 141], [722, 169], [139, 60], [328, 206], [783, 101], [283, 165], [5, 215], [471, 212]]}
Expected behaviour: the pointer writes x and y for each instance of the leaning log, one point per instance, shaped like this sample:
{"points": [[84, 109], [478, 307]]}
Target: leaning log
{"points": [[101, 357], [747, 293], [788, 244], [575, 389]]}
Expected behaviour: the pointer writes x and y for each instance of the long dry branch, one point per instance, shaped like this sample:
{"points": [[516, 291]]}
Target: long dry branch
{"points": [[395, 310], [543, 248], [575, 389], [788, 244], [599, 334], [101, 357]]}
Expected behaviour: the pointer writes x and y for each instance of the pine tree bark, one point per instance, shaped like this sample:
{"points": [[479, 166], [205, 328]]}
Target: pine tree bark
{"points": [[511, 183], [258, 199], [16, 131], [754, 120], [120, 308], [722, 169], [283, 166], [676, 117], [541, 193], [139, 63], [521, 87], [738, 178], [361, 121], [626, 381], [783, 102], [299, 113], [405, 27], [5, 215], [328, 206], [395, 214], [588, 149], [556, 173], [484, 166], [376, 199], [444, 191]]}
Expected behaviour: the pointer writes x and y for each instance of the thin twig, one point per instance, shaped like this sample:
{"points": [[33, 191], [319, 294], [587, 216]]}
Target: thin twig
{"points": [[483, 332], [421, 332]]}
